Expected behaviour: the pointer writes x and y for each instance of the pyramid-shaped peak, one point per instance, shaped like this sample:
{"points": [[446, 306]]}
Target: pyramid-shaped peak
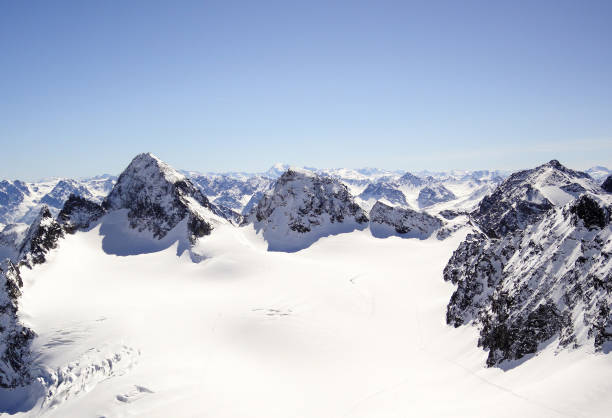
{"points": [[557, 166], [147, 164]]}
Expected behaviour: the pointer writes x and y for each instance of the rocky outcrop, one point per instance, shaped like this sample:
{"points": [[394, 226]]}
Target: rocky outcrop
{"points": [[41, 237], [405, 222], [79, 213], [16, 338], [550, 281], [607, 184]]}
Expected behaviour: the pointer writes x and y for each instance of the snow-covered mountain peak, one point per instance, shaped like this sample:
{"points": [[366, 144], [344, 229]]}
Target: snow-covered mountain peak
{"points": [[304, 206], [526, 195], [147, 164], [158, 197]]}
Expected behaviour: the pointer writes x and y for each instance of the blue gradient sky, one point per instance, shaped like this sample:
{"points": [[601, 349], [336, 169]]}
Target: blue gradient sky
{"points": [[216, 86]]}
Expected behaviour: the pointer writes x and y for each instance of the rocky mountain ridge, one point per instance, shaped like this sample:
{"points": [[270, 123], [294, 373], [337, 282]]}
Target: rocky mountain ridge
{"points": [[542, 269]]}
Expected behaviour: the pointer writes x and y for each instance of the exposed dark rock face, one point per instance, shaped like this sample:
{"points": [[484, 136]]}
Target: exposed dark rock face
{"points": [[158, 198], [79, 213], [197, 228], [433, 194], [16, 339], [404, 221], [522, 198], [41, 237], [589, 211], [552, 279], [607, 184], [450, 214], [382, 190]]}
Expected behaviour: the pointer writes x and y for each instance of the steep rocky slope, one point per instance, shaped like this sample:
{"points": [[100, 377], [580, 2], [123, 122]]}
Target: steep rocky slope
{"points": [[15, 337], [542, 272]]}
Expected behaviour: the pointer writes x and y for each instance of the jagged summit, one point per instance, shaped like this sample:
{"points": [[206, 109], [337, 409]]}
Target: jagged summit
{"points": [[524, 196], [148, 169], [304, 206], [42, 236]]}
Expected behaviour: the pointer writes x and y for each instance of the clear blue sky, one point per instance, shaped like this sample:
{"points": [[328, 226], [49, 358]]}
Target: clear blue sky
{"points": [[218, 86]]}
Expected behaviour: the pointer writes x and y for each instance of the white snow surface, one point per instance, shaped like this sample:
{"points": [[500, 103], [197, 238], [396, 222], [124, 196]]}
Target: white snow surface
{"points": [[353, 326]]}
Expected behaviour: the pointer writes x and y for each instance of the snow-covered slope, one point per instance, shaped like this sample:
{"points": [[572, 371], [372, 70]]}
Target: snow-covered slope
{"points": [[547, 284], [304, 207], [350, 327]]}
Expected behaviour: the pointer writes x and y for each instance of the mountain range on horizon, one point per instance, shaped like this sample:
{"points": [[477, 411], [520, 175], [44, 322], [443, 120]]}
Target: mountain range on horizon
{"points": [[527, 255]]}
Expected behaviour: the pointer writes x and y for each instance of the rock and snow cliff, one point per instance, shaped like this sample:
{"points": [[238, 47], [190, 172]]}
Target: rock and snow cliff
{"points": [[15, 338]]}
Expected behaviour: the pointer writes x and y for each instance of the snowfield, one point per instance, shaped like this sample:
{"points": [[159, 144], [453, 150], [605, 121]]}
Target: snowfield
{"points": [[353, 326]]}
